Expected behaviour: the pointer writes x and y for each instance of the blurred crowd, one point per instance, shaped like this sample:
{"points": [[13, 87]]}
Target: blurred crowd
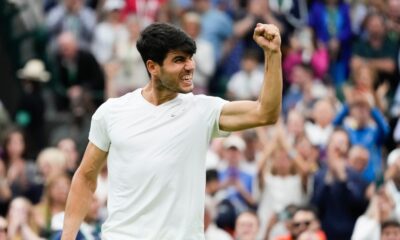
{"points": [[329, 169]]}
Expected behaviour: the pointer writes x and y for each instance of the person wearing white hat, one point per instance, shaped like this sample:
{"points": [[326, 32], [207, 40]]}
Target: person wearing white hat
{"points": [[31, 109]]}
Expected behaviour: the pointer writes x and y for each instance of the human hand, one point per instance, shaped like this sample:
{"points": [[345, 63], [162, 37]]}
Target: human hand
{"points": [[267, 36]]}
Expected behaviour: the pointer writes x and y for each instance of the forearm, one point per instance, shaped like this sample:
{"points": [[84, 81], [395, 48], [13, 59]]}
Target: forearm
{"points": [[271, 93], [386, 65], [79, 200]]}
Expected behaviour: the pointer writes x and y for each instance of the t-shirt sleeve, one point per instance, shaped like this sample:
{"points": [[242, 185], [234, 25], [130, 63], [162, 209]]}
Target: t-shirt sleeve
{"points": [[212, 108], [98, 134]]}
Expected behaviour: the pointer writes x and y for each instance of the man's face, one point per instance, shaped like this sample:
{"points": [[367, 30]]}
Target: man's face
{"points": [[390, 233], [246, 227], [301, 221], [176, 73]]}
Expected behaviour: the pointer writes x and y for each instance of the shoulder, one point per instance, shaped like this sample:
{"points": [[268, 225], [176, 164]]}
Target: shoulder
{"points": [[111, 103]]}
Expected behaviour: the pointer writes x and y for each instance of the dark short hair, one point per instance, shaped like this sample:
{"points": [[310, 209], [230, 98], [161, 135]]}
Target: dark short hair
{"points": [[390, 223], [211, 175], [306, 208], [158, 39]]}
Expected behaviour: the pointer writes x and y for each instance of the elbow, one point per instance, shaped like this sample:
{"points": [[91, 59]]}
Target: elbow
{"points": [[270, 117]]}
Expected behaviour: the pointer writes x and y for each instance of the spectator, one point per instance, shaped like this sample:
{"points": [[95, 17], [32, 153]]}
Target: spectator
{"points": [[321, 128], [21, 172], [330, 20], [127, 71], [68, 147], [390, 230], [368, 226], [376, 50], [90, 227], [53, 203], [107, 33], [204, 57], [358, 158], [246, 83], [247, 226], [51, 162], [365, 80], [304, 222], [339, 191], [304, 90], [282, 178], [362, 108], [212, 232], [305, 48], [71, 16], [21, 223], [79, 79], [31, 110], [236, 183], [216, 26]]}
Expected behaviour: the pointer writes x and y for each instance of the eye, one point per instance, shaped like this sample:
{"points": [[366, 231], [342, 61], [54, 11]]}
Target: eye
{"points": [[179, 59]]}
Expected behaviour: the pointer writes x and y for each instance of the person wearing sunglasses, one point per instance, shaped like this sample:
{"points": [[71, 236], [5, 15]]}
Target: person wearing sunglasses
{"points": [[304, 220]]}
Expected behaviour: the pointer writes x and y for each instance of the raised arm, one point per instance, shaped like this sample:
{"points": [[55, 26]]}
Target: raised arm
{"points": [[81, 194], [239, 115]]}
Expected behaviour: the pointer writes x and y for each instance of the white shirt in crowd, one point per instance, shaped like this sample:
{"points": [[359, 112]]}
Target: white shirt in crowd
{"points": [[156, 164], [245, 85]]}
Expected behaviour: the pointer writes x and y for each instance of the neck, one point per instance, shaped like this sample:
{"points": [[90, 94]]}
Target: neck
{"points": [[157, 95]]}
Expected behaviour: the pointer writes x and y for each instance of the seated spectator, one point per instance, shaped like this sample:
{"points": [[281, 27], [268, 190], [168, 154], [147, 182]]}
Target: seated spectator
{"points": [[21, 172], [127, 71], [304, 90], [390, 230], [368, 226], [377, 50], [204, 57], [68, 147], [246, 83], [247, 226], [108, 32], [365, 80], [237, 185], [332, 25], [304, 222], [71, 16], [90, 228], [305, 48], [358, 158], [53, 202], [321, 128], [212, 232], [21, 223], [339, 191], [78, 78], [51, 163], [31, 107], [367, 128]]}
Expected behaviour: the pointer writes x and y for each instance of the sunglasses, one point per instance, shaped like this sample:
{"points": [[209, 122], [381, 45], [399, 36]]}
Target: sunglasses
{"points": [[303, 223]]}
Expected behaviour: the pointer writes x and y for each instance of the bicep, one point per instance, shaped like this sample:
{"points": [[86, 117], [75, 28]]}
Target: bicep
{"points": [[92, 162], [239, 115]]}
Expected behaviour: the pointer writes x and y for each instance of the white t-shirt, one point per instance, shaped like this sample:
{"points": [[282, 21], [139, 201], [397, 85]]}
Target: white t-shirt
{"points": [[156, 164]]}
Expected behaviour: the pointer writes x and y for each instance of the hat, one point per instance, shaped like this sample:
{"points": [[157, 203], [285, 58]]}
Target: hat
{"points": [[234, 142], [34, 70], [111, 5], [393, 156]]}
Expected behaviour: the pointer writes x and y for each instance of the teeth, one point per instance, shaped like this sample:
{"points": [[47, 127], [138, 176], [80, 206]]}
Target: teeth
{"points": [[187, 77]]}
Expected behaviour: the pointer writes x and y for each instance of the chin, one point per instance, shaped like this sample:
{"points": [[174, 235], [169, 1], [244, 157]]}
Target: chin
{"points": [[186, 89]]}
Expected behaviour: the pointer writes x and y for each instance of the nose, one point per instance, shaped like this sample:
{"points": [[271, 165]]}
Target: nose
{"points": [[190, 64]]}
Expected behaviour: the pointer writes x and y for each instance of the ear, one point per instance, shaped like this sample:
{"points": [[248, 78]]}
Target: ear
{"points": [[153, 67]]}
